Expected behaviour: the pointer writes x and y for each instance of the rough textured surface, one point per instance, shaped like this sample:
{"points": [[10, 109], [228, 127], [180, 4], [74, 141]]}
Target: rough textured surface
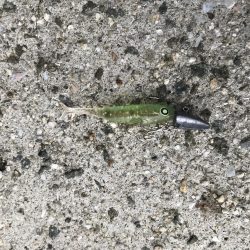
{"points": [[78, 183]]}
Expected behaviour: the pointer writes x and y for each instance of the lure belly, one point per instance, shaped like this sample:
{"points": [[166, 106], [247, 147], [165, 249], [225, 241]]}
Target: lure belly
{"points": [[143, 114]]}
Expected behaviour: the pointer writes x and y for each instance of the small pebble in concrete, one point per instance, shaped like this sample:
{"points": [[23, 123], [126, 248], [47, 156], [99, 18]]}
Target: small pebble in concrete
{"points": [[230, 172], [193, 238], [3, 164], [112, 213], [53, 232]]}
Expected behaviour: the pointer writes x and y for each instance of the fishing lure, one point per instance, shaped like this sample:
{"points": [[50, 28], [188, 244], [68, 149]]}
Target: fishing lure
{"points": [[143, 114]]}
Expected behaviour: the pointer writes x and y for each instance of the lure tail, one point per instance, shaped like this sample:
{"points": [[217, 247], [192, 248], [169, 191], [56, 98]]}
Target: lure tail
{"points": [[78, 111]]}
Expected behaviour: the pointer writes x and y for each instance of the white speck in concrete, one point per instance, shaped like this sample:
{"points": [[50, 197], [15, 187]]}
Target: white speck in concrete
{"points": [[51, 125], [192, 60], [33, 18], [40, 22], [230, 172], [98, 17], [166, 81], [211, 26], [55, 166], [46, 17], [221, 199], [110, 22], [39, 132], [45, 75], [159, 32], [43, 177]]}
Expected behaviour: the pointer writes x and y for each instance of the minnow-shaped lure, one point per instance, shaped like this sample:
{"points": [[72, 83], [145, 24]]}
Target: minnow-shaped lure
{"points": [[143, 114]]}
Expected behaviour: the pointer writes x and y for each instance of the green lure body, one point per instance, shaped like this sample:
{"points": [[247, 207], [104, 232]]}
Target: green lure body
{"points": [[136, 114]]}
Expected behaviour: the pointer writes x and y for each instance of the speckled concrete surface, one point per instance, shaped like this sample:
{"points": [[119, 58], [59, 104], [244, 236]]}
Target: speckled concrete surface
{"points": [[74, 182]]}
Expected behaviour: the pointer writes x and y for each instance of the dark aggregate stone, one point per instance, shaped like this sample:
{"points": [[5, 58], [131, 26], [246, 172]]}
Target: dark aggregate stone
{"points": [[9, 7], [163, 8], [131, 50], [107, 129], [58, 21], [137, 224], [43, 168], [14, 59], [44, 63], [220, 145], [19, 157], [169, 23], [53, 232], [66, 100], [237, 61], [19, 50], [21, 211], [172, 42], [55, 186], [106, 155], [220, 72], [162, 92], [112, 213], [138, 88], [149, 55], [205, 114], [207, 203], [98, 184], [210, 15], [119, 81], [245, 142], [88, 6], [154, 157], [54, 89], [181, 87], [63, 124], [168, 59], [193, 238], [25, 163], [112, 12], [49, 246], [3, 164], [218, 126], [131, 201], [176, 218], [15, 174], [189, 138], [68, 220], [43, 153], [211, 244], [199, 69], [99, 73], [74, 173]]}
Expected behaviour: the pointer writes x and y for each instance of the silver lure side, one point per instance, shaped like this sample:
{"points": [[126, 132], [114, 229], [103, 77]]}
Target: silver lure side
{"points": [[186, 121]]}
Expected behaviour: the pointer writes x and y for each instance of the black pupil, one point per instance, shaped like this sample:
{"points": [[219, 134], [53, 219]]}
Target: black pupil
{"points": [[164, 111]]}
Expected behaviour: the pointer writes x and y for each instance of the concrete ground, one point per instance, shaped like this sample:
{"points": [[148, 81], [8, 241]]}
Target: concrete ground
{"points": [[75, 182]]}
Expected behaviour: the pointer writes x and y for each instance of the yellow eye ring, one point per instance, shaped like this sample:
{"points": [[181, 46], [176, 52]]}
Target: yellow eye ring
{"points": [[164, 111]]}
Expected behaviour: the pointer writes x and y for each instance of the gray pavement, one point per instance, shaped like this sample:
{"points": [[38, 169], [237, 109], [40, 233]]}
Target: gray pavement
{"points": [[76, 182]]}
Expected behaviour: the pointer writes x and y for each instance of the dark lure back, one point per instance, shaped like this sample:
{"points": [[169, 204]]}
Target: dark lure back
{"points": [[144, 114]]}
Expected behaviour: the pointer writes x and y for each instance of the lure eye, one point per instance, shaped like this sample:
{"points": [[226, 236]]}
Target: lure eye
{"points": [[164, 111]]}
